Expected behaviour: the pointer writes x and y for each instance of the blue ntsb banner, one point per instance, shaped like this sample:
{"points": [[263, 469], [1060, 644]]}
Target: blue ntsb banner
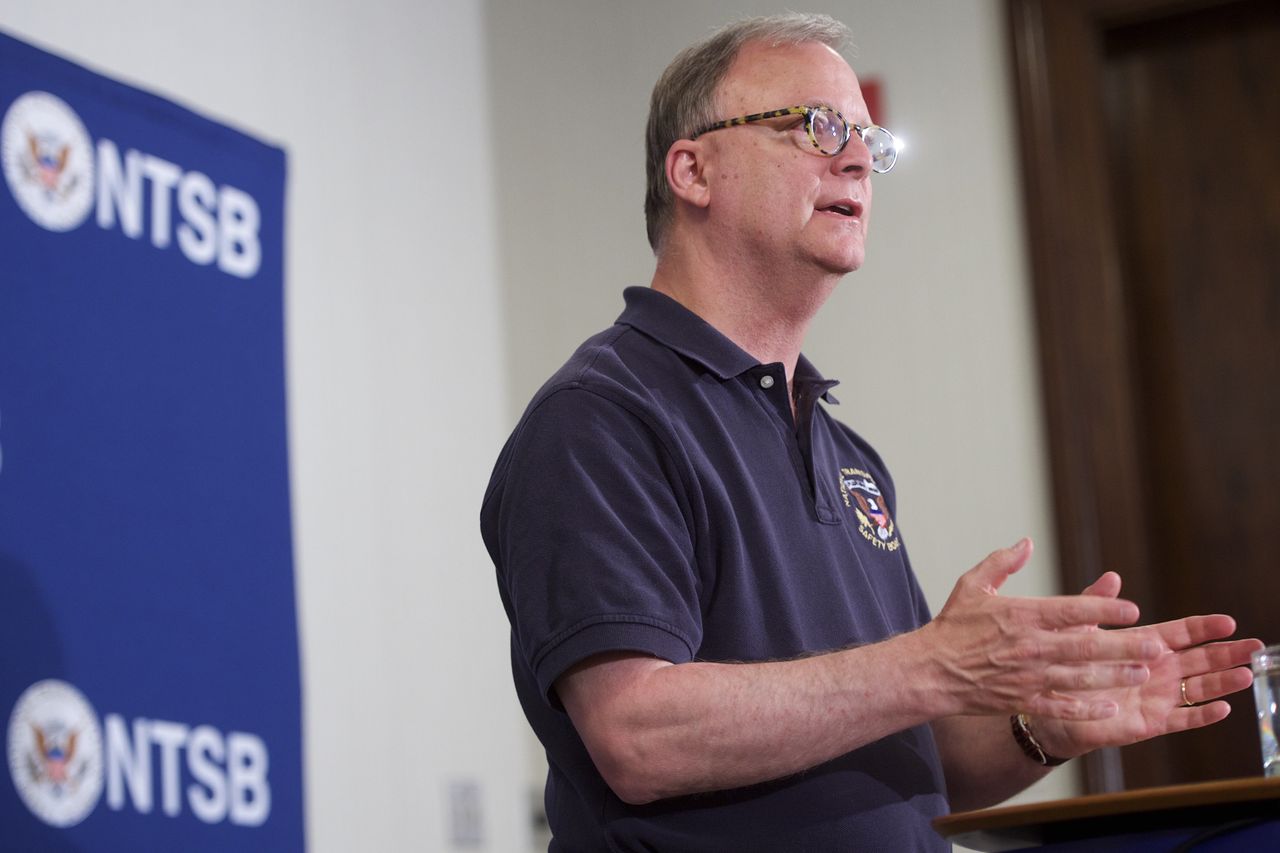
{"points": [[150, 695]]}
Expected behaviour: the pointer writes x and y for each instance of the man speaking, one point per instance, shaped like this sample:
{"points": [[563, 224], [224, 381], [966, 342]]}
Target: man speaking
{"points": [[715, 628]]}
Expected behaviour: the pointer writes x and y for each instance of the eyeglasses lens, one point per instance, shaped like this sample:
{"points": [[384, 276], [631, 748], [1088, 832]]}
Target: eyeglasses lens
{"points": [[828, 131], [883, 148]]}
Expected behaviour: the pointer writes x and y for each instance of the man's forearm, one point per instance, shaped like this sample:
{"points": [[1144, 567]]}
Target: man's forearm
{"points": [[659, 730], [656, 729], [982, 762]]}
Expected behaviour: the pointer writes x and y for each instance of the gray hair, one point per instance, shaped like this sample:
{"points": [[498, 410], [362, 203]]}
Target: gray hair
{"points": [[683, 99]]}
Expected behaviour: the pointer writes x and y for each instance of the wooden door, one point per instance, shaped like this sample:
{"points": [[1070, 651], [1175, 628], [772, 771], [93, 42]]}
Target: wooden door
{"points": [[1151, 145]]}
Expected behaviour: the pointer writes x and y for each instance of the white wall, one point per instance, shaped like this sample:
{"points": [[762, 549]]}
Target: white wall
{"points": [[396, 389], [932, 339]]}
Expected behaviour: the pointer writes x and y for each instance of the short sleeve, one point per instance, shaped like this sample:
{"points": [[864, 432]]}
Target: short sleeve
{"points": [[591, 537]]}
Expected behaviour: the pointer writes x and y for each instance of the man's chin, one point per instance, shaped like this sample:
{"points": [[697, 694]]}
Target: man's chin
{"points": [[840, 257], [842, 264]]}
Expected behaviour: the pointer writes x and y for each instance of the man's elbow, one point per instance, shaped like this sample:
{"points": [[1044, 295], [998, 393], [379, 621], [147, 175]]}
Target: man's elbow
{"points": [[612, 705], [634, 791], [633, 776]]}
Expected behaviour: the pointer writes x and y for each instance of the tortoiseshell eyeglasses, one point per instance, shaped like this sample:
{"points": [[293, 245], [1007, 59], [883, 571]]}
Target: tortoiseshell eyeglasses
{"points": [[829, 132]]}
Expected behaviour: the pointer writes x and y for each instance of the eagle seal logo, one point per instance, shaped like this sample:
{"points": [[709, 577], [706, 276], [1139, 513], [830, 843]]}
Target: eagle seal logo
{"points": [[861, 494], [55, 752], [48, 161]]}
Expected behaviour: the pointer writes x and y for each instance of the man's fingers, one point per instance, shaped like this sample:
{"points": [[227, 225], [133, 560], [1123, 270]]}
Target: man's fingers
{"points": [[1095, 676], [1216, 656], [1194, 630], [1183, 719], [992, 572], [1107, 586], [1070, 611], [1215, 685], [1094, 646]]}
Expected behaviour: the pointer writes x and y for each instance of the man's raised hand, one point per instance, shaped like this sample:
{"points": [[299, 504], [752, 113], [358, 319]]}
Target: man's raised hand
{"points": [[1195, 657], [993, 654]]}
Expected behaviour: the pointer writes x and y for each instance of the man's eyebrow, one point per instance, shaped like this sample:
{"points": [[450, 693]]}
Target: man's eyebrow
{"points": [[823, 102]]}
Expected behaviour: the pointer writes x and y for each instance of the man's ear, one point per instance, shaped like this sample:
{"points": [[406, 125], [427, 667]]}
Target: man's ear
{"points": [[687, 172]]}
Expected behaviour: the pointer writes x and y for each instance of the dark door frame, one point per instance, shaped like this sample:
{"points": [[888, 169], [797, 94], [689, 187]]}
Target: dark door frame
{"points": [[1086, 368]]}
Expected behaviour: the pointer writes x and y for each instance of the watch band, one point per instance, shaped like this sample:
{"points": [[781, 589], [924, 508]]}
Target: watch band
{"points": [[1022, 734]]}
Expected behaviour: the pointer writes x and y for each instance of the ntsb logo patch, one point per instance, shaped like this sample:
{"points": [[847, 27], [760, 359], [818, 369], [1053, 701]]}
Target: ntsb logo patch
{"points": [[48, 161], [55, 752], [862, 495]]}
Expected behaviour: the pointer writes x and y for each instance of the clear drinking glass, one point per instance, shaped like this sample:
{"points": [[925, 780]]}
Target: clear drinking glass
{"points": [[1266, 695]]}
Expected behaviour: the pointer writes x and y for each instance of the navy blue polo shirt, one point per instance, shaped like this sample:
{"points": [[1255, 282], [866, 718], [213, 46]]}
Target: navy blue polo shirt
{"points": [[658, 497]]}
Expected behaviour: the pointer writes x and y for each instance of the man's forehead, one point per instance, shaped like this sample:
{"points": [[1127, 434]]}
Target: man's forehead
{"points": [[802, 72]]}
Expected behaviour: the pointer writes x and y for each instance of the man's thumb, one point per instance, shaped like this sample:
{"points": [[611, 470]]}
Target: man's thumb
{"points": [[992, 572]]}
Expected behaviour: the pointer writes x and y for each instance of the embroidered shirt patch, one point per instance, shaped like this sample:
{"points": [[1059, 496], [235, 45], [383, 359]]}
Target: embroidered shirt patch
{"points": [[861, 494]]}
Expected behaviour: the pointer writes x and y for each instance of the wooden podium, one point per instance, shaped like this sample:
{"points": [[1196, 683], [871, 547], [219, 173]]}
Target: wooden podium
{"points": [[1233, 814]]}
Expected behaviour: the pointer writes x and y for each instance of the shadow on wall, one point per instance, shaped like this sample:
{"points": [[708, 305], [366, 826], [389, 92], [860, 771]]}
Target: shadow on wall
{"points": [[30, 651]]}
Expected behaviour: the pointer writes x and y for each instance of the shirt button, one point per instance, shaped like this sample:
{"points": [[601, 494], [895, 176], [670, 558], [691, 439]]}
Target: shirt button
{"points": [[766, 382]]}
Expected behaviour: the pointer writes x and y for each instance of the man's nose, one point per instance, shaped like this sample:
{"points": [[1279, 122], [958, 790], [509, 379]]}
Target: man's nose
{"points": [[854, 159]]}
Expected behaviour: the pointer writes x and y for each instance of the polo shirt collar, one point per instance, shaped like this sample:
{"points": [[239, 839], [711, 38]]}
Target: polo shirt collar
{"points": [[677, 328], [807, 376]]}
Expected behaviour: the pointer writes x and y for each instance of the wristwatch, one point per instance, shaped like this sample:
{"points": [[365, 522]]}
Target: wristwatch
{"points": [[1022, 734]]}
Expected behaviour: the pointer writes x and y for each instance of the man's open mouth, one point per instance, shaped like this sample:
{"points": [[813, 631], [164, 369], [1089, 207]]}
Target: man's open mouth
{"points": [[844, 208]]}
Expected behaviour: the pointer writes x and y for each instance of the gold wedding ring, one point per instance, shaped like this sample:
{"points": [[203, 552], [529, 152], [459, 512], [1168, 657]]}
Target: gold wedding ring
{"points": [[1186, 703]]}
